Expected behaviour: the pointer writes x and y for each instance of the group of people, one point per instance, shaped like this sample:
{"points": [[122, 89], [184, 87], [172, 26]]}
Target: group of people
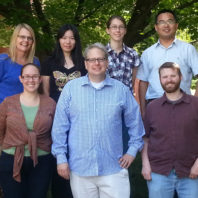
{"points": [[81, 141]]}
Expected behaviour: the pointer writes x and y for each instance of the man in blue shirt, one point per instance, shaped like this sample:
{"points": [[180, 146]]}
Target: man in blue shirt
{"points": [[88, 127], [167, 49]]}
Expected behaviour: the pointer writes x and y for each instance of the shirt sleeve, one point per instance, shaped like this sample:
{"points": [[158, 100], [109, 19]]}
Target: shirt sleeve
{"points": [[61, 126], [137, 61], [193, 59], [2, 58], [3, 107], [143, 70], [146, 122], [36, 61], [134, 122]]}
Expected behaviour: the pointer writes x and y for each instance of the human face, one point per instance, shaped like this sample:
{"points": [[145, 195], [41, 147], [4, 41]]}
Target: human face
{"points": [[67, 42], [96, 65], [170, 80], [116, 30], [24, 41], [166, 26], [30, 79]]}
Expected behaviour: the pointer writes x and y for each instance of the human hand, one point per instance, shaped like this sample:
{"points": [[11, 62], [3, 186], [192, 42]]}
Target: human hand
{"points": [[126, 160], [146, 171], [194, 170], [63, 170]]}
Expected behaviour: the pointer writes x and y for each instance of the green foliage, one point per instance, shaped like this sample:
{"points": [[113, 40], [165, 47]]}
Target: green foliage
{"points": [[46, 16], [90, 17], [194, 83], [5, 33]]}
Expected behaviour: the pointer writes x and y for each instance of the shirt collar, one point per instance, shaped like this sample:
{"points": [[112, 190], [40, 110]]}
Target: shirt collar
{"points": [[108, 47], [107, 81], [158, 42], [185, 98], [124, 48]]}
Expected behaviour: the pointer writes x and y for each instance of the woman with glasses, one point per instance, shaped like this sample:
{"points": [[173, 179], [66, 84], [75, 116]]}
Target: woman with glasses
{"points": [[123, 61], [21, 51], [25, 139], [65, 63]]}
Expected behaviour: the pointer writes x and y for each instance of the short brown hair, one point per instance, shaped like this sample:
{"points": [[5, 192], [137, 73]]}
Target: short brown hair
{"points": [[170, 65], [116, 17]]}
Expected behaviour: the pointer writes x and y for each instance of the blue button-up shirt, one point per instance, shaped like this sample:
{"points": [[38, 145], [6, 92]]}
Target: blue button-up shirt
{"points": [[152, 58], [88, 126]]}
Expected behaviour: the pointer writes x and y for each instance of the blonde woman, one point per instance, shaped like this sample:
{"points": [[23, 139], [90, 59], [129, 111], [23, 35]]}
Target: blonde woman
{"points": [[21, 51]]}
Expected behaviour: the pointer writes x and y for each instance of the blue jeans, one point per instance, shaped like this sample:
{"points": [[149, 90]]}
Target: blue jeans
{"points": [[162, 186]]}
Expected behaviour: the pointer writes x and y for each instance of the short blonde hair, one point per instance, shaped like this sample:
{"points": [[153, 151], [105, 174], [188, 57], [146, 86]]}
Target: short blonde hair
{"points": [[12, 47]]}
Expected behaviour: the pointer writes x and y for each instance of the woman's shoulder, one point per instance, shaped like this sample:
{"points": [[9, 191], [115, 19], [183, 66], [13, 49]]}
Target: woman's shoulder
{"points": [[36, 61], [49, 62], [3, 56], [12, 99], [47, 100]]}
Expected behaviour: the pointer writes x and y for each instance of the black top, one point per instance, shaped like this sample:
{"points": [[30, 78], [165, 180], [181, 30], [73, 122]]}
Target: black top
{"points": [[59, 75]]}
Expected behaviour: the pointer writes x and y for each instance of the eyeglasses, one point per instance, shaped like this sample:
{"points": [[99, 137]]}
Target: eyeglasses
{"points": [[29, 38], [168, 22], [114, 27], [93, 60], [33, 77]]}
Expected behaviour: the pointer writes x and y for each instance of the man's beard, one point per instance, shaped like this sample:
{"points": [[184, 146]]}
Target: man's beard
{"points": [[171, 89]]}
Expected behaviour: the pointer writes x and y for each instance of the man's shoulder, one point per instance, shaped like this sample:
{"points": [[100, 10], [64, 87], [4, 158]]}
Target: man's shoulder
{"points": [[77, 81], [156, 102], [118, 86], [116, 82], [184, 44], [192, 98], [150, 49], [180, 42]]}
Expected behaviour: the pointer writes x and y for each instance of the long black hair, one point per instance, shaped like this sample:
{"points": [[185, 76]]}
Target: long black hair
{"points": [[76, 53]]}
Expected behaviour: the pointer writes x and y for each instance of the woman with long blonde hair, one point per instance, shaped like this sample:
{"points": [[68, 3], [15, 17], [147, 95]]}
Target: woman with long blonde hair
{"points": [[21, 51]]}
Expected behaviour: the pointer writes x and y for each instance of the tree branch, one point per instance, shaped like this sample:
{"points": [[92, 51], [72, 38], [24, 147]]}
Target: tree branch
{"points": [[38, 8], [79, 17], [139, 20]]}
